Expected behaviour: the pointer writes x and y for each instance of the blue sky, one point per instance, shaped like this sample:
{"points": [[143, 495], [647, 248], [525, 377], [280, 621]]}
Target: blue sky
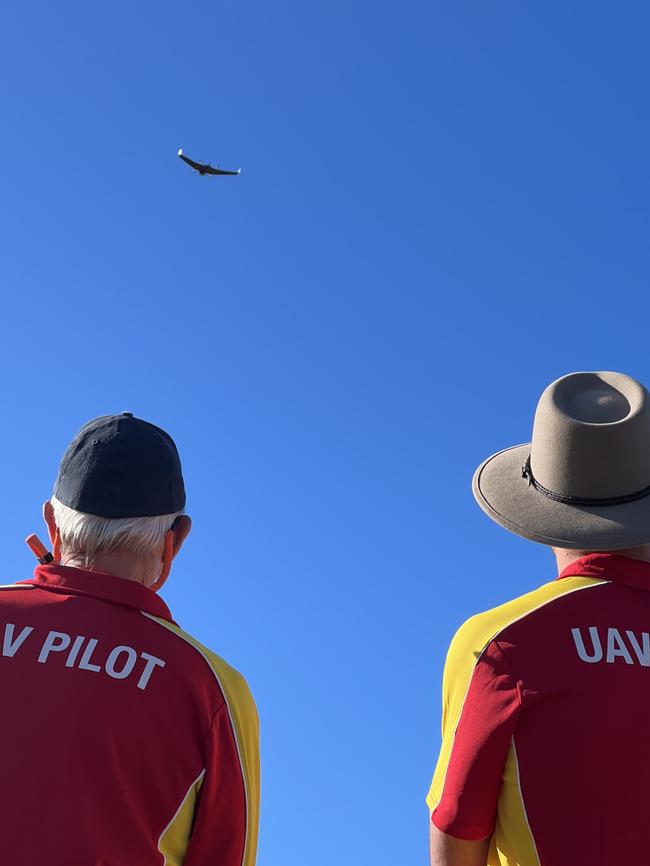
{"points": [[442, 208]]}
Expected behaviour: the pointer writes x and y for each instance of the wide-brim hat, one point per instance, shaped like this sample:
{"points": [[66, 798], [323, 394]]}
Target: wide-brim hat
{"points": [[584, 480]]}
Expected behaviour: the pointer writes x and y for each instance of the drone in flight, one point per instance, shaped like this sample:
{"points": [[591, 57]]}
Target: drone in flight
{"points": [[204, 168]]}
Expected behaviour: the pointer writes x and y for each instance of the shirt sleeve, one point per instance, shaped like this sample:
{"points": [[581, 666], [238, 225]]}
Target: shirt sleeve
{"points": [[226, 813], [481, 702]]}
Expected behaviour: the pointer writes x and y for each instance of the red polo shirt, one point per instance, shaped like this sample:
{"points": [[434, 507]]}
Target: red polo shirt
{"points": [[546, 713], [125, 741]]}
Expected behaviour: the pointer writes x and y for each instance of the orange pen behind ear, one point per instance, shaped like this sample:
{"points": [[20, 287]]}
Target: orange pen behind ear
{"points": [[39, 550]]}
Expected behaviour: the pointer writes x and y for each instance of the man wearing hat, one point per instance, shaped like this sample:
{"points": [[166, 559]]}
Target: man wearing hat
{"points": [[125, 741], [545, 757]]}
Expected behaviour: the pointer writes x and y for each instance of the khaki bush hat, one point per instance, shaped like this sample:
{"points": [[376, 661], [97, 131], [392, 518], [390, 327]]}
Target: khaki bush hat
{"points": [[584, 480]]}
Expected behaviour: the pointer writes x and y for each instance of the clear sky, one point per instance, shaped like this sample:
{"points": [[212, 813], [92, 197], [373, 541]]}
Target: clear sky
{"points": [[442, 208]]}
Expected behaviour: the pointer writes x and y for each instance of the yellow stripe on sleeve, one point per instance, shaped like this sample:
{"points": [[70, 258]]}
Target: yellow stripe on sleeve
{"points": [[465, 651], [512, 843], [175, 837], [245, 725]]}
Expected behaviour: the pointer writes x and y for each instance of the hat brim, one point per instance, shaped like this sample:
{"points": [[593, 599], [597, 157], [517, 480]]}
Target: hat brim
{"points": [[508, 499]]}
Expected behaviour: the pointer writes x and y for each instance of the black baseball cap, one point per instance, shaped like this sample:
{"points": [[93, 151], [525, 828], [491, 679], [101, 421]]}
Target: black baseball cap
{"points": [[121, 466]]}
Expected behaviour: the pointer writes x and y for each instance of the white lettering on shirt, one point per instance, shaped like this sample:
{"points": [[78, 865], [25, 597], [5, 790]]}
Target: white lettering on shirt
{"points": [[152, 662], [129, 664], [85, 664], [56, 641], [10, 646], [630, 646], [616, 647], [643, 655], [597, 653], [74, 652], [88, 654]]}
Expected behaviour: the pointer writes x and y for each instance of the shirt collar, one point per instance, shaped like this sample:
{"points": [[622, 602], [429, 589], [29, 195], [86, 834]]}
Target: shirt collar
{"points": [[108, 587], [611, 566]]}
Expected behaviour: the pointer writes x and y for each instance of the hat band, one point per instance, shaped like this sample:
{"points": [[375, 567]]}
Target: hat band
{"points": [[527, 473]]}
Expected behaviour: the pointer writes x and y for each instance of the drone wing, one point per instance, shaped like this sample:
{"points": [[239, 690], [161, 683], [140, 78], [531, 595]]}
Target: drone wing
{"points": [[197, 166], [211, 170]]}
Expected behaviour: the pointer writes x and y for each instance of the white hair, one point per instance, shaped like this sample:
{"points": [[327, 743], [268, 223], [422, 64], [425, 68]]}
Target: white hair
{"points": [[84, 536]]}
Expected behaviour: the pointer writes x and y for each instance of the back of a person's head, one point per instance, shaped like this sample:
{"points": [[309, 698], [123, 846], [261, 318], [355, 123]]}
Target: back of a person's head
{"points": [[119, 490], [84, 537]]}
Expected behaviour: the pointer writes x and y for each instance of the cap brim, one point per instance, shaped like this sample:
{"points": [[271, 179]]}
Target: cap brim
{"points": [[509, 500]]}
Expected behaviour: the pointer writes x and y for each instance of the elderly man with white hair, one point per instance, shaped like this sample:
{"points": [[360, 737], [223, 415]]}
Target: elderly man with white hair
{"points": [[125, 740]]}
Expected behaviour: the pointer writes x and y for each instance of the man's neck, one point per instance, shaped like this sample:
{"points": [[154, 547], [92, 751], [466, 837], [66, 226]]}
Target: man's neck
{"points": [[565, 557], [116, 563]]}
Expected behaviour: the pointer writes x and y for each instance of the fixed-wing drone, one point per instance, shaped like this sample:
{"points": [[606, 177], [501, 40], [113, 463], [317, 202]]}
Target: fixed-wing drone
{"points": [[204, 167]]}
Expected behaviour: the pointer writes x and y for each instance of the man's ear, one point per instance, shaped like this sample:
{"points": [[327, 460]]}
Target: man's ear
{"points": [[52, 529], [181, 529], [173, 542], [48, 517]]}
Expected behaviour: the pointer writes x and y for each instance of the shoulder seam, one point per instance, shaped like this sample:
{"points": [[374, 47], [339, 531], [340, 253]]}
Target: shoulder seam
{"points": [[548, 601], [192, 646]]}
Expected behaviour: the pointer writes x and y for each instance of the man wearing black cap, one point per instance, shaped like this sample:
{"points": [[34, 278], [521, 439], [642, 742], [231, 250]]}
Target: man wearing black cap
{"points": [[126, 741]]}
